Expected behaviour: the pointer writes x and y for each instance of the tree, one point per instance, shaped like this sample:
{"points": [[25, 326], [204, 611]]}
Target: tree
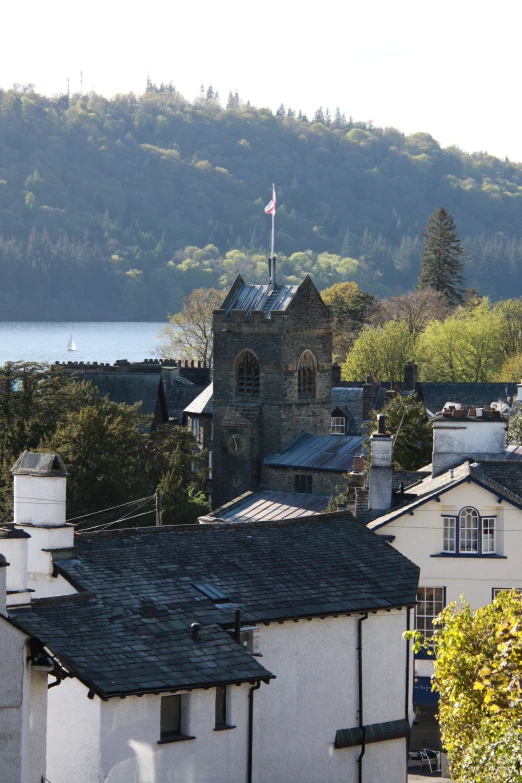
{"points": [[462, 349], [510, 338], [189, 333], [511, 370], [381, 351], [111, 461], [407, 420], [416, 309], [441, 261], [33, 400], [281, 112], [478, 675], [350, 308], [319, 115]]}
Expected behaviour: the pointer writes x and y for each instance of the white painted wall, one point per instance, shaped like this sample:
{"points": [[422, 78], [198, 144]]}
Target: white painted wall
{"points": [[73, 735], [14, 705], [39, 500], [316, 693], [15, 552], [37, 726], [456, 439]]}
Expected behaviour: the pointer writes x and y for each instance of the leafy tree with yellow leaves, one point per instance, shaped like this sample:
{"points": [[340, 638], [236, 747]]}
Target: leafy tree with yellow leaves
{"points": [[189, 333]]}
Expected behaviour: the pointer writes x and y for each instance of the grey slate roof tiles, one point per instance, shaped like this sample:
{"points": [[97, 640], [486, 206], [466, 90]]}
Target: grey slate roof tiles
{"points": [[203, 403], [435, 395], [320, 452], [128, 388], [350, 396], [134, 634], [262, 297], [269, 504]]}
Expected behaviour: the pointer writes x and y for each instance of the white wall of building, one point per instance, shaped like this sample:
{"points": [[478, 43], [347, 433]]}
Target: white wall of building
{"points": [[14, 705], [316, 693], [454, 439], [73, 734], [37, 726]]}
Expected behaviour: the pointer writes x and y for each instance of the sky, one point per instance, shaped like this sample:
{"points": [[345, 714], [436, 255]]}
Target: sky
{"points": [[448, 68]]}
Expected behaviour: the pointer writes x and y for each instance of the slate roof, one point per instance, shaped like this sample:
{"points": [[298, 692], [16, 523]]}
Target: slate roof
{"points": [[501, 477], [128, 388], [320, 452], [130, 631], [268, 505], [352, 397], [261, 297], [179, 396], [39, 464], [435, 395], [203, 403]]}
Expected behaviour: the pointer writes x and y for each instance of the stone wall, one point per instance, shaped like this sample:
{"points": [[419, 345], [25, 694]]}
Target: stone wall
{"points": [[323, 482]]}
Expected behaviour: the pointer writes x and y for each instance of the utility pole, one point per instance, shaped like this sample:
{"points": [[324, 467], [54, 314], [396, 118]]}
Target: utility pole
{"points": [[159, 508]]}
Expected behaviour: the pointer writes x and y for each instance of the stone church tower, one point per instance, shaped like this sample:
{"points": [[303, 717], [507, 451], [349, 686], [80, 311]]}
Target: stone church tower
{"points": [[272, 378]]}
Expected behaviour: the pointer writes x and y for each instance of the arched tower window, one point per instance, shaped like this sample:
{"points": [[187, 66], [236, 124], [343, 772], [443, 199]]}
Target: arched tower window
{"points": [[247, 375], [306, 373]]}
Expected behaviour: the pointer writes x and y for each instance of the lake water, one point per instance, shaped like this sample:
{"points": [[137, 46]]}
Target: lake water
{"points": [[35, 341]]}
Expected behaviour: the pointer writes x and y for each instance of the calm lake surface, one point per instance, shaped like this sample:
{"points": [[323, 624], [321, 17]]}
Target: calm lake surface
{"points": [[35, 341]]}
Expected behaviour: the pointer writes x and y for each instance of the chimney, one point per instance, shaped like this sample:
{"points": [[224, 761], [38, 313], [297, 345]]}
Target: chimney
{"points": [[381, 467], [368, 397], [14, 546], [519, 391], [194, 630], [39, 511], [456, 438], [336, 374], [411, 373]]}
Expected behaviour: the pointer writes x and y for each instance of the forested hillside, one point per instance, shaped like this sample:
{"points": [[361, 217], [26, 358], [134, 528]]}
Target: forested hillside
{"points": [[116, 208]]}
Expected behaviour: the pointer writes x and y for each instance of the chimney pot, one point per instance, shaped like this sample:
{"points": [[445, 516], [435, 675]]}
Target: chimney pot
{"points": [[195, 629], [381, 424]]}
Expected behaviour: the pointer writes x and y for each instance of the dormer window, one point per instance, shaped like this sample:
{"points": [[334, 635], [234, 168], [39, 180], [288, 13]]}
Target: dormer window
{"points": [[247, 375], [338, 425], [306, 372]]}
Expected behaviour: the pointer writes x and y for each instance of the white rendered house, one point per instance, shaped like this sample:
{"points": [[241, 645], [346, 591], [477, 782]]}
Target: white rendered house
{"points": [[222, 653]]}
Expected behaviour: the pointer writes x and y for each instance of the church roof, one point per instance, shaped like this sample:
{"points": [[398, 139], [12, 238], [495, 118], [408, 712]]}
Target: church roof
{"points": [[262, 297], [320, 452]]}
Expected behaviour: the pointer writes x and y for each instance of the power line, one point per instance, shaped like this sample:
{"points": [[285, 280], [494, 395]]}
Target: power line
{"points": [[108, 524], [111, 508]]}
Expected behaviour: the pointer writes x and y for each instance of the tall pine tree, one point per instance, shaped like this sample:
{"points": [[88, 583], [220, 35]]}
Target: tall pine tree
{"points": [[441, 262]]}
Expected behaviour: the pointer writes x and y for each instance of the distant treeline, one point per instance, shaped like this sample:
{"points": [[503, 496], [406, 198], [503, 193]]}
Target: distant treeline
{"points": [[115, 209]]}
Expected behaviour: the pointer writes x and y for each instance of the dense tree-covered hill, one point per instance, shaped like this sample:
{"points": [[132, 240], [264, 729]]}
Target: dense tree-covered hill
{"points": [[117, 208]]}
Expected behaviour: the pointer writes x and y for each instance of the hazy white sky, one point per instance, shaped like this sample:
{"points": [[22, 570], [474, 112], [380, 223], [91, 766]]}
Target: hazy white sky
{"points": [[450, 68]]}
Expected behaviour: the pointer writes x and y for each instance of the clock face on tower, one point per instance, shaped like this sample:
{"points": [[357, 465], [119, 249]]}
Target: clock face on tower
{"points": [[236, 445]]}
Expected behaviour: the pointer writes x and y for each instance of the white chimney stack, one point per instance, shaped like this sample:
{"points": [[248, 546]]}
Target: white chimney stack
{"points": [[381, 467], [477, 433], [40, 511], [14, 545], [3, 585]]}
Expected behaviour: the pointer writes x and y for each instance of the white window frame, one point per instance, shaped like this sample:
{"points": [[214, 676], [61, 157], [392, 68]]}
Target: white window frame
{"points": [[338, 425], [449, 534], [469, 536], [433, 598], [196, 428], [488, 535], [496, 590]]}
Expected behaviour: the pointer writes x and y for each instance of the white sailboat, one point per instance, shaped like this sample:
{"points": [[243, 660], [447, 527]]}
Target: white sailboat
{"points": [[71, 345]]}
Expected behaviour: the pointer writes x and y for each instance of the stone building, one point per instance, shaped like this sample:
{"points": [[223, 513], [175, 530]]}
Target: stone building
{"points": [[272, 378]]}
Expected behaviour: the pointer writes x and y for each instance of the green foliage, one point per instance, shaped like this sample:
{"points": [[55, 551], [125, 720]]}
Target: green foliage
{"points": [[514, 435], [110, 457], [441, 262], [381, 351], [350, 309], [478, 674], [464, 348], [144, 177], [407, 420]]}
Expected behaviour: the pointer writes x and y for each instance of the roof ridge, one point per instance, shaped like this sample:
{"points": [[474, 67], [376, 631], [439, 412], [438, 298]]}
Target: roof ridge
{"points": [[129, 532]]}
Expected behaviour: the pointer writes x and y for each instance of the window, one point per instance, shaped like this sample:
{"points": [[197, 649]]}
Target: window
{"points": [[488, 535], [195, 428], [247, 375], [221, 706], [431, 602], [306, 376], [473, 535], [449, 534], [170, 727], [338, 425], [302, 483], [497, 590], [468, 530]]}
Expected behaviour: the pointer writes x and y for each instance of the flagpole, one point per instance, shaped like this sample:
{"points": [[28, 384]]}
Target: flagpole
{"points": [[273, 217]]}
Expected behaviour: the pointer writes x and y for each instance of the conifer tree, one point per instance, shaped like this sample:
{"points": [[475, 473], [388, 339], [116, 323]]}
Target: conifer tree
{"points": [[237, 100], [327, 117], [441, 262], [230, 101], [319, 115], [281, 112]]}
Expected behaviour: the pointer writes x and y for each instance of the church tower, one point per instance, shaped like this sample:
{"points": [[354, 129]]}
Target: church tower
{"points": [[272, 378]]}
